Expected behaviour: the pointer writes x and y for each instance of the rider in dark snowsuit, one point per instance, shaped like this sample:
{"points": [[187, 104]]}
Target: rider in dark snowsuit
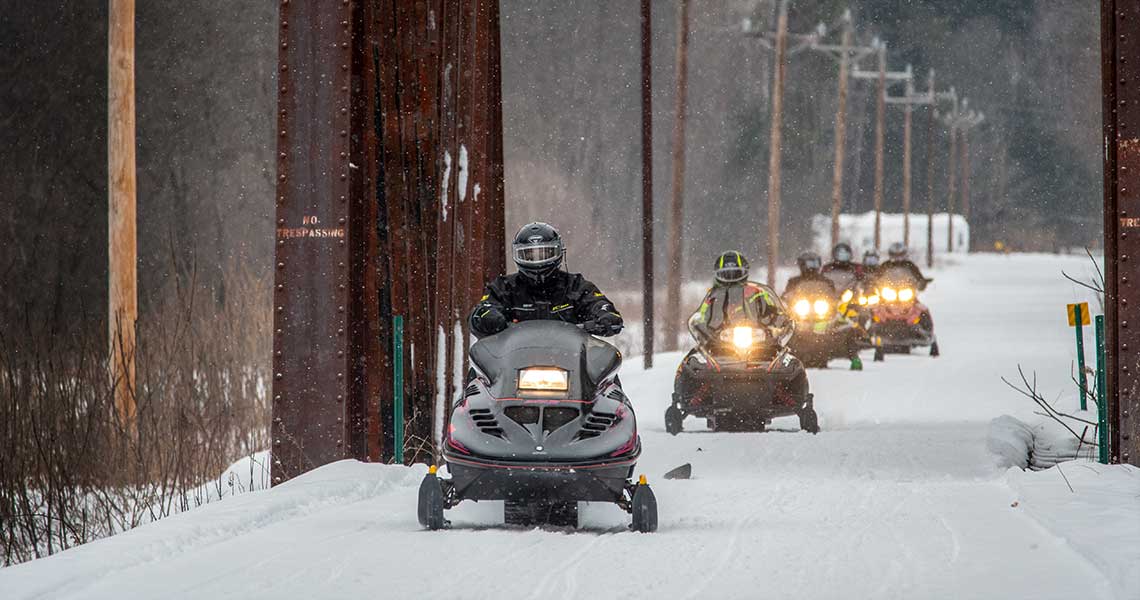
{"points": [[540, 290]]}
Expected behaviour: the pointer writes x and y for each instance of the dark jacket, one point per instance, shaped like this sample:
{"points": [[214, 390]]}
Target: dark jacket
{"points": [[567, 297], [726, 304]]}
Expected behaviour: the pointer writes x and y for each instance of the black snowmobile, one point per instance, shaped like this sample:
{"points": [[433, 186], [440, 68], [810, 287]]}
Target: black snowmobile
{"points": [[542, 424], [823, 331], [740, 377]]}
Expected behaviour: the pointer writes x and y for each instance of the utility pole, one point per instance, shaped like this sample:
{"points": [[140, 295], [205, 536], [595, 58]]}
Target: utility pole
{"points": [[882, 77], [122, 251], [845, 54], [676, 242], [775, 145], [930, 115], [647, 180], [951, 120], [908, 100], [777, 41], [840, 131], [966, 121]]}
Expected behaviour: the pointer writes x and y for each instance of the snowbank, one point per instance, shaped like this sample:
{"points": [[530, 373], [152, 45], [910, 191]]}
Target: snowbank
{"points": [[1093, 507], [859, 231]]}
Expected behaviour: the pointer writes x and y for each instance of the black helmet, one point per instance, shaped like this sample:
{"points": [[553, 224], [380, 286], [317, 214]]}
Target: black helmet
{"points": [[731, 267], [809, 262], [897, 251], [842, 253], [871, 258], [537, 250]]}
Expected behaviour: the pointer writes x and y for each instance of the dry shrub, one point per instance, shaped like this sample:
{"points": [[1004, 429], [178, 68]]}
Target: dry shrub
{"points": [[71, 472]]}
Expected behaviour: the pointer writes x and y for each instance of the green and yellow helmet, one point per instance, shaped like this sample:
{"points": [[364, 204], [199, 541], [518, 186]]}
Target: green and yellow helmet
{"points": [[731, 267]]}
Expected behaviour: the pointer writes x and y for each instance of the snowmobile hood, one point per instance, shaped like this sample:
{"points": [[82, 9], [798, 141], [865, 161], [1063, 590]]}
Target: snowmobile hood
{"points": [[586, 359]]}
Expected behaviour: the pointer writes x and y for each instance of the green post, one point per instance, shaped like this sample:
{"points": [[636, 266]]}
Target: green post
{"points": [[1101, 393], [398, 387], [1081, 358]]}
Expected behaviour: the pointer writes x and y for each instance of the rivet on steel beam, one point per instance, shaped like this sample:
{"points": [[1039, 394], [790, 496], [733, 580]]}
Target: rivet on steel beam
{"points": [[344, 45], [281, 177], [341, 263], [344, 88], [1124, 346], [339, 397], [342, 242], [276, 480], [284, 67], [284, 44], [280, 287], [282, 155], [340, 309], [276, 442], [341, 286], [1124, 324], [278, 354], [340, 443], [342, 133], [341, 221], [339, 420], [343, 110], [343, 176], [278, 376], [342, 198], [279, 332], [280, 242], [283, 89], [1124, 414], [340, 352], [284, 23], [281, 221], [344, 155], [277, 398], [344, 23], [280, 265], [280, 308], [282, 133], [339, 331]]}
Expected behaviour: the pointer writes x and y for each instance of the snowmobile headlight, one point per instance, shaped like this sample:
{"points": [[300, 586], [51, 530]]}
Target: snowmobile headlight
{"points": [[906, 295], [544, 379], [889, 294], [742, 337], [846, 297], [821, 307], [872, 300], [802, 307]]}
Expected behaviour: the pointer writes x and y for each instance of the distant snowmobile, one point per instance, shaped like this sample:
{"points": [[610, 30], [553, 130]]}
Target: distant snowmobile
{"points": [[823, 329], [742, 375], [542, 424], [899, 322]]}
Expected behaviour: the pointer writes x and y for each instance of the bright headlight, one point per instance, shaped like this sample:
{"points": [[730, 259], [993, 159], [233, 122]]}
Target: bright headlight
{"points": [[802, 307], [889, 294], [544, 379], [742, 337], [872, 300], [847, 296], [821, 307], [906, 294]]}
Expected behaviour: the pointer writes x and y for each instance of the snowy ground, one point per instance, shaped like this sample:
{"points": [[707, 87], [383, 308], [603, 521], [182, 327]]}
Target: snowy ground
{"points": [[897, 498]]}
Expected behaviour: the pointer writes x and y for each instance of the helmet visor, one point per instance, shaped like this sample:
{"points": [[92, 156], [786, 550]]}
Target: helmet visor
{"points": [[537, 255], [812, 263], [842, 254], [731, 273]]}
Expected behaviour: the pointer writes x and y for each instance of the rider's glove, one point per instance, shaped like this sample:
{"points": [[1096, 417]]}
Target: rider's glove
{"points": [[606, 323], [489, 321]]}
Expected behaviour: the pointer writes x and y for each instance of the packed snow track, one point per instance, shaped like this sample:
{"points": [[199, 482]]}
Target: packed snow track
{"points": [[898, 497]]}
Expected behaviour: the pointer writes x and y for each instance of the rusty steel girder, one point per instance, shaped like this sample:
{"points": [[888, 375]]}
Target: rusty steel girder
{"points": [[390, 202], [1120, 67]]}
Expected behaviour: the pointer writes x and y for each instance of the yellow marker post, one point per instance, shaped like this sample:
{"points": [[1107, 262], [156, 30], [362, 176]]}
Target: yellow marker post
{"points": [[1078, 318]]}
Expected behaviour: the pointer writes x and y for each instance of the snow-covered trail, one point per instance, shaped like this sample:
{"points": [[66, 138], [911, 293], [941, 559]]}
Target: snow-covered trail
{"points": [[896, 498]]}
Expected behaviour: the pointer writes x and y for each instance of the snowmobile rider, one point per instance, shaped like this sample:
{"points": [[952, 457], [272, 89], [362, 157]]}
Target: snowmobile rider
{"points": [[871, 262], [731, 288], [541, 290], [842, 271], [897, 256], [809, 264]]}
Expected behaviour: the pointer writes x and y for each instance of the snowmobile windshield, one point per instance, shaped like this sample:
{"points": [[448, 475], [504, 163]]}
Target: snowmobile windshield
{"points": [[549, 344], [897, 276], [732, 305], [811, 290], [842, 279]]}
